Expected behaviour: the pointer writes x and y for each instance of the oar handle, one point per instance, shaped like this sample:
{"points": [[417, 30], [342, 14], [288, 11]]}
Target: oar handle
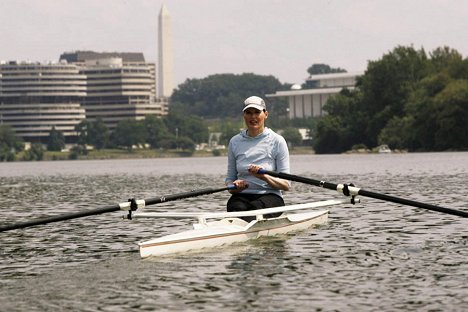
{"points": [[351, 190]]}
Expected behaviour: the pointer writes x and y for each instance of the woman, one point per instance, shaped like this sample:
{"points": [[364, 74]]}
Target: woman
{"points": [[252, 149]]}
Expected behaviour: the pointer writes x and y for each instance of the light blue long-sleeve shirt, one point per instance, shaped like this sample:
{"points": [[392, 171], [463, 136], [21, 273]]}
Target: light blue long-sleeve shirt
{"points": [[268, 150]]}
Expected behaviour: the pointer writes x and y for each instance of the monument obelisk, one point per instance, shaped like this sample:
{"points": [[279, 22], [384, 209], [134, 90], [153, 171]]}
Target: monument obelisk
{"points": [[165, 62]]}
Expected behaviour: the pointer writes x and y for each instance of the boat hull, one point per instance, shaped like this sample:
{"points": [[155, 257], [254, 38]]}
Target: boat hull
{"points": [[228, 231]]}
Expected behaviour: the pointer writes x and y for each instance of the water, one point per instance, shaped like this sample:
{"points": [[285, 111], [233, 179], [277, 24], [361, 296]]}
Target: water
{"points": [[368, 257]]}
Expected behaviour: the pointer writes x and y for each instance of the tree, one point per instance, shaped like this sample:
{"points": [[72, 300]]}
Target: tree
{"points": [[128, 133], [292, 136], [221, 95], [451, 111], [386, 87], [36, 152], [318, 69], [56, 140], [406, 100], [328, 136], [156, 130], [228, 129], [93, 133], [185, 143], [10, 144], [83, 129], [192, 127], [98, 135], [397, 133]]}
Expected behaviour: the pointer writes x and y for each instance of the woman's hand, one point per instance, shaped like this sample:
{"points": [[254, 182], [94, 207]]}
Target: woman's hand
{"points": [[240, 186], [277, 183], [253, 169]]}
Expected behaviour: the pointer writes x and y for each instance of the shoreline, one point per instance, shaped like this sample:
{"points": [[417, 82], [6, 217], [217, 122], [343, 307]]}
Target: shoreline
{"points": [[142, 154]]}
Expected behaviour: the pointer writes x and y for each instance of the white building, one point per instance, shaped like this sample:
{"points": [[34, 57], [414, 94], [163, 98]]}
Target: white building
{"points": [[118, 91], [304, 103], [35, 97], [119, 86]]}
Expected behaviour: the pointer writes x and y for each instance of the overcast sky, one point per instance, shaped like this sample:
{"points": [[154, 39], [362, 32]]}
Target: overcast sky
{"points": [[266, 37]]}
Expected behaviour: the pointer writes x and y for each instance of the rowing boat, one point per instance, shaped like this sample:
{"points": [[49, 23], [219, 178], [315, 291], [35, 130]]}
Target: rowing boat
{"points": [[230, 228]]}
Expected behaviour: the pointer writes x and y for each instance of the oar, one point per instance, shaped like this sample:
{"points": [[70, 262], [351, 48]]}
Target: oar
{"points": [[129, 206], [353, 191]]}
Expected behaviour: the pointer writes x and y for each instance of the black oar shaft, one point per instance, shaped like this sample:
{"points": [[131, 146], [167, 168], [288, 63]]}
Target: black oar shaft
{"points": [[413, 203], [370, 194], [112, 208], [58, 218], [194, 193]]}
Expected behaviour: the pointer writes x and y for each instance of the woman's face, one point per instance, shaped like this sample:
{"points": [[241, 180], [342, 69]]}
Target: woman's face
{"points": [[255, 119]]}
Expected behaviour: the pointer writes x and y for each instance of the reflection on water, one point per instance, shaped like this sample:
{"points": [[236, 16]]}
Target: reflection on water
{"points": [[371, 256]]}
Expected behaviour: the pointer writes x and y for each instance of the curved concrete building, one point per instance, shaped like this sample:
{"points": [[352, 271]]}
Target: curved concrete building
{"points": [[118, 91], [35, 97]]}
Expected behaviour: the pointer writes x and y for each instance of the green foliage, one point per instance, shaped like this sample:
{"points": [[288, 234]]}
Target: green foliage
{"points": [[451, 110], [6, 153], [329, 136], [185, 143], [56, 140], [9, 143], [98, 134], [83, 132], [156, 130], [292, 137], [396, 133], [406, 100], [172, 132], [129, 133], [189, 126], [229, 128], [36, 152], [76, 151], [318, 69], [222, 95], [93, 133], [386, 87]]}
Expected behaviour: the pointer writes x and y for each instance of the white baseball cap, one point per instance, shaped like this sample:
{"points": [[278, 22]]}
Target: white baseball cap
{"points": [[255, 102]]}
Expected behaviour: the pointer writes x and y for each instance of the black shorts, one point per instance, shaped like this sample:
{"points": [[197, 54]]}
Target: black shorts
{"points": [[246, 202]]}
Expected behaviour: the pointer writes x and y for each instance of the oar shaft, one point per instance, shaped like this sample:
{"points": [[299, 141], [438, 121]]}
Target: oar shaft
{"points": [[194, 193], [121, 206], [358, 191], [291, 177], [413, 203], [63, 217]]}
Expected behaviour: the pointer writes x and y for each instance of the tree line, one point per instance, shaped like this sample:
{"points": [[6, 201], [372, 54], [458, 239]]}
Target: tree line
{"points": [[409, 99], [171, 132]]}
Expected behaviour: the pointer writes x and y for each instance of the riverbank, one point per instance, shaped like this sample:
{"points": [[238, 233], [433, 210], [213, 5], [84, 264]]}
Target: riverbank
{"points": [[144, 153]]}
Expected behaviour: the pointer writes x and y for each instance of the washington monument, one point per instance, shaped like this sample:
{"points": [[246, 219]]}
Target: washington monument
{"points": [[165, 63]]}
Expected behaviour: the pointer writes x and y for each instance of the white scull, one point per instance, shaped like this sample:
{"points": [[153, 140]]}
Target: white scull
{"points": [[231, 229]]}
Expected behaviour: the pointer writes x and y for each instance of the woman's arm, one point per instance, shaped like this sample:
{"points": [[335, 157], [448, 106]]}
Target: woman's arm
{"points": [[274, 182]]}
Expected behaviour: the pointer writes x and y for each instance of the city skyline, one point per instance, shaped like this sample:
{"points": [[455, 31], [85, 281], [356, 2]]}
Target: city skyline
{"points": [[279, 38]]}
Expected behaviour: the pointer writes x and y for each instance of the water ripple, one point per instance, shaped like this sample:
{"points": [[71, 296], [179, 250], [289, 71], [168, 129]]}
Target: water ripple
{"points": [[369, 256]]}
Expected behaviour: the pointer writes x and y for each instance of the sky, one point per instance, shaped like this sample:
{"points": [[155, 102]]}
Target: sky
{"points": [[282, 38]]}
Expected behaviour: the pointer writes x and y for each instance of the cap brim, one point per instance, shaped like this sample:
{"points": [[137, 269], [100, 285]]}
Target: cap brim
{"points": [[259, 107]]}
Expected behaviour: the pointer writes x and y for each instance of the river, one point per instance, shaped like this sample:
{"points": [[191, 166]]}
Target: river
{"points": [[373, 256]]}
